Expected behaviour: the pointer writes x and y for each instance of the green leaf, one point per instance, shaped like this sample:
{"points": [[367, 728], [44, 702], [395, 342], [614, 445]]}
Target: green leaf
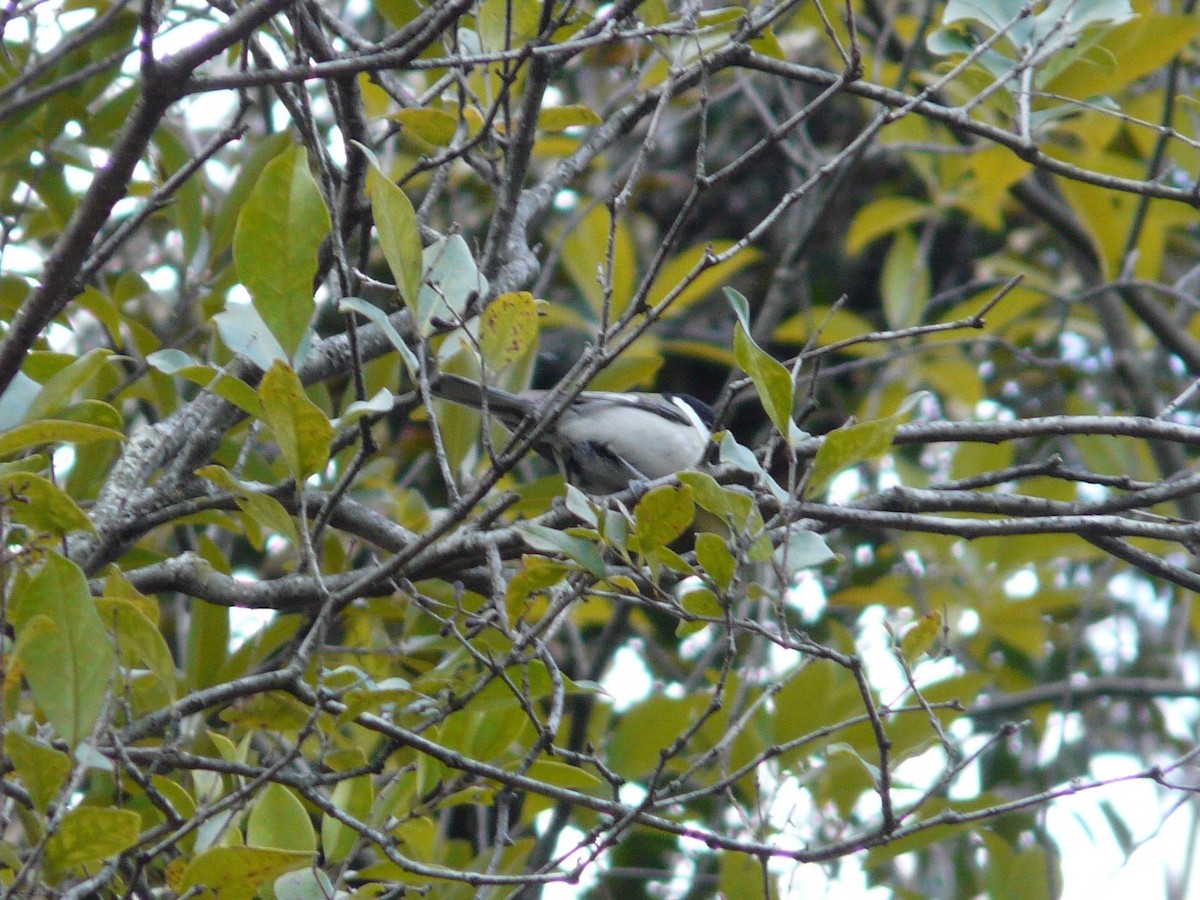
{"points": [[304, 884], [802, 550], [852, 444], [62, 643], [771, 377], [237, 873], [42, 769], [262, 508], [731, 504], [139, 638], [699, 602], [279, 229], [716, 560], [53, 431], [278, 819], [41, 506], [508, 329], [301, 429], [508, 23], [662, 515], [89, 834], [266, 148], [399, 231], [741, 875], [563, 775], [16, 400], [381, 403], [434, 126], [636, 744], [58, 390]]}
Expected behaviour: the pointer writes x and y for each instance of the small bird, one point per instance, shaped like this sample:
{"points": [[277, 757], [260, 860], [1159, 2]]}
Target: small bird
{"points": [[603, 442]]}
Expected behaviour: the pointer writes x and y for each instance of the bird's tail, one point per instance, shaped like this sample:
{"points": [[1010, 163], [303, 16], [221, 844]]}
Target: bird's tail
{"points": [[509, 408]]}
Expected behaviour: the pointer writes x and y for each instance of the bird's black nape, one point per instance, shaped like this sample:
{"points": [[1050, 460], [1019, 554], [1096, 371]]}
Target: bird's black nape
{"points": [[706, 413]]}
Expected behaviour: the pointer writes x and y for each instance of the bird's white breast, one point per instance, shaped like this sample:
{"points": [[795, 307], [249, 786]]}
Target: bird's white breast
{"points": [[653, 446]]}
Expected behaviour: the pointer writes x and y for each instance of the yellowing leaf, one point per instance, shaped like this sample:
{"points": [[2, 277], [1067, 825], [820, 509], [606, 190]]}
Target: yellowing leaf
{"points": [[376, 101], [301, 429], [679, 268], [663, 515], [41, 506], [918, 639], [53, 431], [91, 834], [237, 873], [560, 118], [434, 126], [1137, 48], [585, 258], [279, 229], [882, 217], [508, 329]]}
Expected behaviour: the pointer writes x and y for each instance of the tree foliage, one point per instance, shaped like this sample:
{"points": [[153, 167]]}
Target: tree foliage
{"points": [[935, 266]]}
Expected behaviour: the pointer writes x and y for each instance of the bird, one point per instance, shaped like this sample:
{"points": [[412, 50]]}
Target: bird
{"points": [[603, 442]]}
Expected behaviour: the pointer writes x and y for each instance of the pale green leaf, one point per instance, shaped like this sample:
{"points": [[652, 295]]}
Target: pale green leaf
{"points": [[139, 639], [380, 318], [243, 331], [882, 217], [42, 769], [278, 819]]}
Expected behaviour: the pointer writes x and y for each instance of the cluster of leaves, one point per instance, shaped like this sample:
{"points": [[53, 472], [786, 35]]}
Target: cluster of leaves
{"points": [[241, 241]]}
